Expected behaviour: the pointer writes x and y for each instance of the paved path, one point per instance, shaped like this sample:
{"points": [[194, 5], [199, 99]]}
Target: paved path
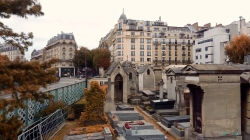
{"points": [[156, 125]]}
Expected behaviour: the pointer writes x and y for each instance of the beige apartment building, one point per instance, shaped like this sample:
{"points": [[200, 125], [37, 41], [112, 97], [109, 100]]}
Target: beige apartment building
{"points": [[62, 47], [149, 42], [11, 51], [38, 55]]}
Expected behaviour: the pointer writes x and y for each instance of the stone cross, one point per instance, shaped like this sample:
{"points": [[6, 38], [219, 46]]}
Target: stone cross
{"points": [[109, 89], [161, 88]]}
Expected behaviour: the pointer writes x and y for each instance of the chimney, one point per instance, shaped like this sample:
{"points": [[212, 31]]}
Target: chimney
{"points": [[160, 18], [208, 25], [195, 25]]}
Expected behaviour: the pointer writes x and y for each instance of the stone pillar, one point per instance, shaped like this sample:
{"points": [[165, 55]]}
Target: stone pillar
{"points": [[109, 105], [160, 84]]}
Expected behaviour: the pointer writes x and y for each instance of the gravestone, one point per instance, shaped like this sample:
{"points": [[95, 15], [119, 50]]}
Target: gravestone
{"points": [[169, 121], [124, 107], [165, 113], [162, 104]]}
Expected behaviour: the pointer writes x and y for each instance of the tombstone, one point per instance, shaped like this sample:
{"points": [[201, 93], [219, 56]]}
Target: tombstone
{"points": [[124, 107], [169, 121]]}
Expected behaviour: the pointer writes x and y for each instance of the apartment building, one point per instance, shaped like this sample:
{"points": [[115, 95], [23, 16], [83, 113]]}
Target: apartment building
{"points": [[38, 55], [210, 44], [11, 51], [243, 26], [149, 42], [62, 47]]}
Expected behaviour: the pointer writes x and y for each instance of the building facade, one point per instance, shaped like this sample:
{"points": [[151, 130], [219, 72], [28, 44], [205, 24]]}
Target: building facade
{"points": [[11, 51], [38, 55], [62, 47], [210, 44], [149, 42]]}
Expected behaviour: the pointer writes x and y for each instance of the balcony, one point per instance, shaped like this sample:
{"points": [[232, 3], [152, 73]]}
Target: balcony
{"points": [[158, 36], [148, 30], [156, 42], [163, 42], [140, 29], [131, 29], [183, 54], [163, 54], [163, 48], [183, 48]]}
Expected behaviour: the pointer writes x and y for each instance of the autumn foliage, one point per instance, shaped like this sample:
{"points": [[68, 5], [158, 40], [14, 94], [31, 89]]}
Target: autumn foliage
{"points": [[95, 98], [237, 48], [22, 80]]}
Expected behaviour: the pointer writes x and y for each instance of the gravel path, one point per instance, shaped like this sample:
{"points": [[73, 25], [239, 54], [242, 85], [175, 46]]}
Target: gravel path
{"points": [[156, 125]]}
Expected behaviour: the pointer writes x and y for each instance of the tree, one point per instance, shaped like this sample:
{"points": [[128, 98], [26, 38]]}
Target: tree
{"points": [[80, 55], [22, 80], [101, 58], [95, 98], [21, 8], [237, 48]]}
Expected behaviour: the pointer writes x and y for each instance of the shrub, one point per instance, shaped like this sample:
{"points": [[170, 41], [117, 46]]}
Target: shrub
{"points": [[51, 108], [79, 107]]}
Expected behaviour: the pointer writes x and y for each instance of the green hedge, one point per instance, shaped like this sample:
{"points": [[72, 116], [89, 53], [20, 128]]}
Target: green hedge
{"points": [[79, 107]]}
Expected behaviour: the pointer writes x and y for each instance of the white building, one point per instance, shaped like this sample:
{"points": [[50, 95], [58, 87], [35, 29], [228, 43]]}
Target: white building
{"points": [[11, 51], [209, 47]]}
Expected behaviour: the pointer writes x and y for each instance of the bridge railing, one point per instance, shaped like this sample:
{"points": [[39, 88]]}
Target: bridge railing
{"points": [[47, 128], [69, 94]]}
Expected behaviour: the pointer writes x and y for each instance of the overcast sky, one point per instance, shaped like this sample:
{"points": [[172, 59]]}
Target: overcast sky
{"points": [[89, 20]]}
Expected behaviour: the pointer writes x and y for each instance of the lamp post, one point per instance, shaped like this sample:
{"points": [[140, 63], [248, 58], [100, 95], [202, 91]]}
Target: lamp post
{"points": [[240, 23]]}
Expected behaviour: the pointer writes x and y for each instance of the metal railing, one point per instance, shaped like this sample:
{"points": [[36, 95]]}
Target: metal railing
{"points": [[47, 128]]}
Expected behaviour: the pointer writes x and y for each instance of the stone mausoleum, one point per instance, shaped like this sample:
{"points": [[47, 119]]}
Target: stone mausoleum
{"points": [[215, 101]]}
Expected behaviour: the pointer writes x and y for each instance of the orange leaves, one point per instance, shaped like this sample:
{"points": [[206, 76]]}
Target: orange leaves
{"points": [[95, 98], [237, 48]]}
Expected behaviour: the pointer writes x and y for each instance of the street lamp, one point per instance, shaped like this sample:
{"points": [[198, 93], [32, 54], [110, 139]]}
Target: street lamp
{"points": [[240, 23]]}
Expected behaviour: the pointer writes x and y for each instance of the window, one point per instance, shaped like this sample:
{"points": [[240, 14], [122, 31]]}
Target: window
{"points": [[175, 47], [163, 29], [149, 41], [169, 58], [188, 53], [206, 48], [156, 53], [169, 53], [148, 47], [169, 47], [189, 48], [132, 40], [156, 29], [148, 59], [163, 47], [119, 40], [148, 53], [196, 57], [147, 23], [206, 56], [174, 34], [141, 33], [132, 27], [119, 53], [198, 50], [118, 33], [132, 59], [132, 47], [141, 53], [168, 34], [175, 53], [132, 33], [132, 53], [142, 59], [130, 76], [119, 46], [148, 34], [141, 47], [148, 72], [120, 25], [171, 80], [141, 40], [200, 56], [163, 54], [148, 29]]}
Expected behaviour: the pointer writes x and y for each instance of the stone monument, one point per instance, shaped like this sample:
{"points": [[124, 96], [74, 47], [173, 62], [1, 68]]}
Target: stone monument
{"points": [[109, 104]]}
